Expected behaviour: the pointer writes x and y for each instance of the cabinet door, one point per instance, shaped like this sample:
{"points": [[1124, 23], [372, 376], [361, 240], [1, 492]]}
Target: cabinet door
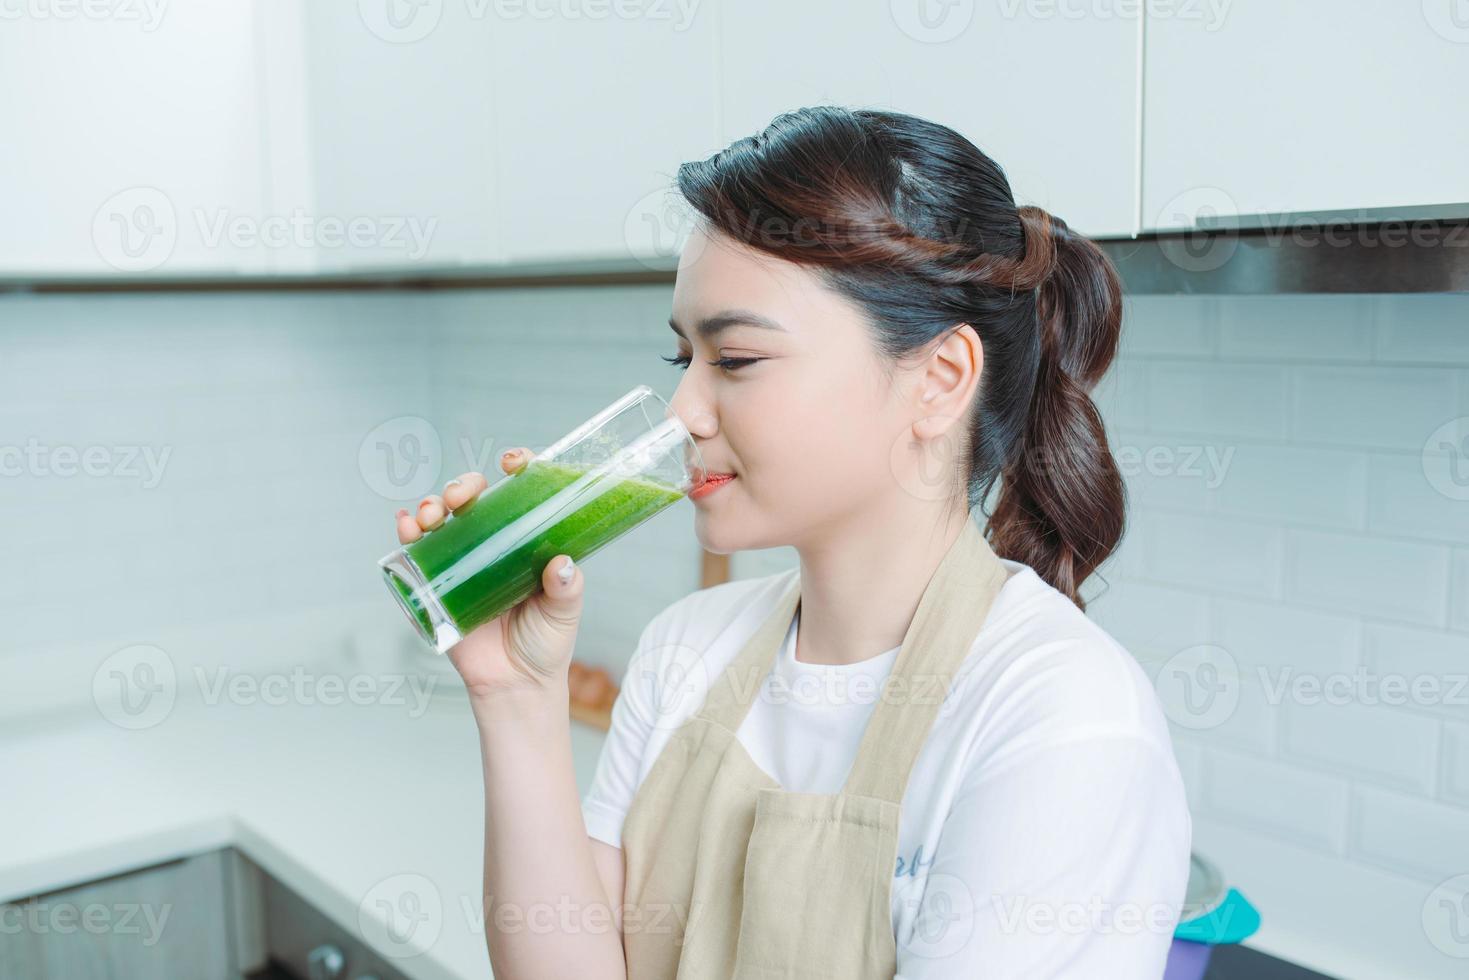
{"points": [[1259, 107], [597, 105], [1049, 96], [164, 923], [401, 117], [131, 138]]}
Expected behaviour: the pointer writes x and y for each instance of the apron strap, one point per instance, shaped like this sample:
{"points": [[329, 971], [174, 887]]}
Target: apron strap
{"points": [[948, 618]]}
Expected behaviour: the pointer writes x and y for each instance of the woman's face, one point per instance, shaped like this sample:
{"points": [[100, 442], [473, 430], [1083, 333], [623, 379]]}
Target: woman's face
{"points": [[802, 413]]}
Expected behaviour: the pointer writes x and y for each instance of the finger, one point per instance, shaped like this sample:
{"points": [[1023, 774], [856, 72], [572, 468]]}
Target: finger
{"points": [[514, 459], [431, 512], [408, 529], [463, 489]]}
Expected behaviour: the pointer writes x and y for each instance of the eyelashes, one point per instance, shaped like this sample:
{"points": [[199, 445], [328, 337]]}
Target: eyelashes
{"points": [[728, 363]]}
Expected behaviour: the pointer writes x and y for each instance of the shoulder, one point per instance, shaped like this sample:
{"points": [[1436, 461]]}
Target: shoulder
{"points": [[711, 618], [1042, 672]]}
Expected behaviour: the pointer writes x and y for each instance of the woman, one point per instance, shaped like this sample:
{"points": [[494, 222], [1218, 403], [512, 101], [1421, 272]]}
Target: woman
{"points": [[913, 755]]}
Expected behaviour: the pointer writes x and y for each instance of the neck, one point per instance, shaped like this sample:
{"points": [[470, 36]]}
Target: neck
{"points": [[861, 581]]}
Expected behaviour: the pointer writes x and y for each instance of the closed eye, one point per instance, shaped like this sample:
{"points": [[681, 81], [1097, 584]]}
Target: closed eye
{"points": [[728, 363]]}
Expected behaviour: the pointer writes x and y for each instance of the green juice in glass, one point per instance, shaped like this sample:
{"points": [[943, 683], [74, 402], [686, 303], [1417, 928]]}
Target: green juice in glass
{"points": [[490, 556]]}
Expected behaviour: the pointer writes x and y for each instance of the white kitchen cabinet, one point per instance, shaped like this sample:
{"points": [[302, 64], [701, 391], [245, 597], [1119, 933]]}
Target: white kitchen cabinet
{"points": [[1052, 98], [132, 133], [401, 108], [594, 114], [170, 922], [1267, 107]]}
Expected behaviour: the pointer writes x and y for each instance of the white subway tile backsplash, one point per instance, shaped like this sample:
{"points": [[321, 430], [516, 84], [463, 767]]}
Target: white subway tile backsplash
{"points": [[1211, 553], [1168, 325], [1424, 328], [1402, 500], [1329, 727], [1374, 406], [1297, 327], [1459, 592], [1279, 636], [1279, 799], [1292, 484], [1419, 668], [1454, 775], [1373, 576], [1411, 836], [1217, 398]]}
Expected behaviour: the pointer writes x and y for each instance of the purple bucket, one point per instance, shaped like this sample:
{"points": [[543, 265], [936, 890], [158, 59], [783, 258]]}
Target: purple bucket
{"points": [[1187, 960]]}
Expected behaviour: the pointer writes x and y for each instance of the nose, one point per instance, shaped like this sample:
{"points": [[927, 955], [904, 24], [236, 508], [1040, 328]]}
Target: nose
{"points": [[695, 413]]}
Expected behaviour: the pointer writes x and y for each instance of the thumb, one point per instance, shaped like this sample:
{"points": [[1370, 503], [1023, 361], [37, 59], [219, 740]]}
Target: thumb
{"points": [[561, 584]]}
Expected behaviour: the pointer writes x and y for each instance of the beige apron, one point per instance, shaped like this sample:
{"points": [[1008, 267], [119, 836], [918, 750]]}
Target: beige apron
{"points": [[730, 876]]}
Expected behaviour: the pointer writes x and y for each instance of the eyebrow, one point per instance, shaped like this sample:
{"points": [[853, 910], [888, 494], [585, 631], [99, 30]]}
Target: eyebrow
{"points": [[709, 326]]}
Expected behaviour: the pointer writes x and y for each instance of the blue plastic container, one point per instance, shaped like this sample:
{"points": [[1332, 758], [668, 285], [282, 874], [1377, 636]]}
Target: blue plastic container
{"points": [[1213, 914]]}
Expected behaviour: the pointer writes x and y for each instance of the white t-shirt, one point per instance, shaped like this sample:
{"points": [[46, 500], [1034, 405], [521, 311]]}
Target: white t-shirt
{"points": [[1044, 831]]}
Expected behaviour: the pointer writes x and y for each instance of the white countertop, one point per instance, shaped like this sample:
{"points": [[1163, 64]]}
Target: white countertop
{"points": [[346, 804]]}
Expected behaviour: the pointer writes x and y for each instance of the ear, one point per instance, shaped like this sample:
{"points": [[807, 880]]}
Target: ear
{"points": [[946, 382]]}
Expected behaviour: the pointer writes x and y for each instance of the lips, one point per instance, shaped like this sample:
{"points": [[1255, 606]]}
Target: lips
{"points": [[710, 483]]}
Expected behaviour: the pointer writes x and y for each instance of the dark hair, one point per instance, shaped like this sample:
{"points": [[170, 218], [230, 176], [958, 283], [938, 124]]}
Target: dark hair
{"points": [[916, 226]]}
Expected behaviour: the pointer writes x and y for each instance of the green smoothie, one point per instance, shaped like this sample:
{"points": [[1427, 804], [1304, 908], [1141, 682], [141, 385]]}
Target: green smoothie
{"points": [[490, 556]]}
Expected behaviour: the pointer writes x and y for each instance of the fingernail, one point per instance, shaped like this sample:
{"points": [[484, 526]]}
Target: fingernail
{"points": [[566, 571], [453, 483]]}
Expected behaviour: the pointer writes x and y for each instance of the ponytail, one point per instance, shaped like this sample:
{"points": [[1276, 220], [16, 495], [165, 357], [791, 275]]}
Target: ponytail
{"points": [[1062, 499]]}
